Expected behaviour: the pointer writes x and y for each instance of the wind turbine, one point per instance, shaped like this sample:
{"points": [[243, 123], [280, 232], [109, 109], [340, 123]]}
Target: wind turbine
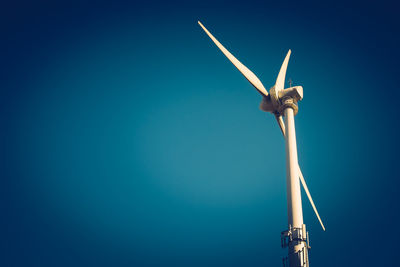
{"points": [[282, 102]]}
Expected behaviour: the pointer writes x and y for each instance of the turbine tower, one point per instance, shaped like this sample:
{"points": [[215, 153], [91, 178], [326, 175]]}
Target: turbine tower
{"points": [[283, 103]]}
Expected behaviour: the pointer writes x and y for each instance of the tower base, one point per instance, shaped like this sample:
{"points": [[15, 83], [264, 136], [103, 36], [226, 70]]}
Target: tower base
{"points": [[297, 242]]}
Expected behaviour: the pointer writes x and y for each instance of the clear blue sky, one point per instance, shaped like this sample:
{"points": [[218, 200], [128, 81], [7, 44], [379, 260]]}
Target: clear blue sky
{"points": [[130, 140]]}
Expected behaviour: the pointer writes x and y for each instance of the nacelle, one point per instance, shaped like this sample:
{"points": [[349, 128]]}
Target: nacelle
{"points": [[295, 92], [273, 102]]}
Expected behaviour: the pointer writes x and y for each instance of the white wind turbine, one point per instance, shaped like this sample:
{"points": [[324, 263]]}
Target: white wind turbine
{"points": [[283, 103]]}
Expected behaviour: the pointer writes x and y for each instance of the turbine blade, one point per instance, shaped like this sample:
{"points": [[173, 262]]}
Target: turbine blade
{"points": [[303, 182], [280, 81], [281, 123], [250, 76]]}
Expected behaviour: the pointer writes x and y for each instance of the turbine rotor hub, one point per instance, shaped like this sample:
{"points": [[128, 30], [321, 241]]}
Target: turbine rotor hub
{"points": [[274, 97]]}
